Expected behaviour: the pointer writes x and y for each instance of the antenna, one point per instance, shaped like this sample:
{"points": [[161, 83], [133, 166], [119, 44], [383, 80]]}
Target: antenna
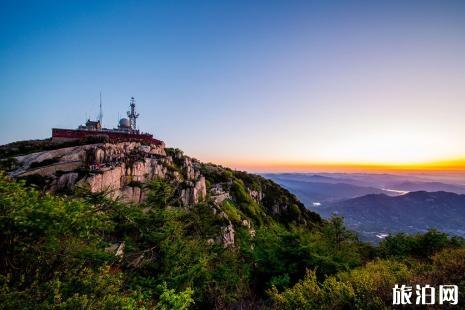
{"points": [[132, 114], [100, 115]]}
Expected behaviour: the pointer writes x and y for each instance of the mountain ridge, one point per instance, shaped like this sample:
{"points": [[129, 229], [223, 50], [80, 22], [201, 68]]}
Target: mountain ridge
{"points": [[412, 212], [124, 169]]}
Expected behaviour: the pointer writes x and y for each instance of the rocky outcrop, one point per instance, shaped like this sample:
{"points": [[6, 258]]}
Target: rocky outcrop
{"points": [[218, 194], [194, 192], [67, 181], [124, 170], [120, 169], [116, 249], [132, 194], [227, 236], [256, 195], [106, 179], [249, 227]]}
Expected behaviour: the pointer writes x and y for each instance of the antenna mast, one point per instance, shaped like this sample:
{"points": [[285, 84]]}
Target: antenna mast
{"points": [[132, 114], [100, 115]]}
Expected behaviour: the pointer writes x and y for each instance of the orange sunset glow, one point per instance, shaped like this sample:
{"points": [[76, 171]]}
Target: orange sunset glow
{"points": [[437, 166]]}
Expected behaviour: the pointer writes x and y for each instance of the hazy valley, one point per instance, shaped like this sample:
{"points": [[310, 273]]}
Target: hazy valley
{"points": [[375, 205]]}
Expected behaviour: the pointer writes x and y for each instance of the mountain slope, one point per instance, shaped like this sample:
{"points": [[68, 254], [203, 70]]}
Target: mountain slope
{"points": [[412, 212], [123, 170], [151, 217]]}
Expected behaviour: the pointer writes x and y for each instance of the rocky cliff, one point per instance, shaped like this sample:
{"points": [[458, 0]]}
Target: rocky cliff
{"points": [[123, 170], [120, 169]]}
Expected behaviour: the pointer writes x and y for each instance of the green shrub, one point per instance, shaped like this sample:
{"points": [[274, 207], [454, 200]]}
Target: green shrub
{"points": [[231, 211], [419, 245]]}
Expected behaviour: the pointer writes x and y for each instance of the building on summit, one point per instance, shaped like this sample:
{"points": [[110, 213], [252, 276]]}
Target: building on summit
{"points": [[126, 130]]}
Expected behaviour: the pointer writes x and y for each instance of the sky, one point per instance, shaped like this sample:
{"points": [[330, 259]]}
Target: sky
{"points": [[255, 85]]}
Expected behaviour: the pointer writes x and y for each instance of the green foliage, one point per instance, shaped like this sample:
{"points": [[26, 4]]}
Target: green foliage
{"points": [[373, 283], [239, 192], [231, 211], [160, 194], [73, 289], [186, 260], [8, 163], [276, 204], [368, 287], [420, 245], [245, 203], [36, 227], [309, 294], [170, 300], [448, 266], [282, 254], [337, 233], [216, 174], [54, 254], [47, 246]]}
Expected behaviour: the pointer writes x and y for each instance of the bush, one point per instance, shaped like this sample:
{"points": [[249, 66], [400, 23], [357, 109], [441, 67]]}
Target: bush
{"points": [[160, 193], [373, 283], [231, 211], [419, 245], [170, 300], [368, 287]]}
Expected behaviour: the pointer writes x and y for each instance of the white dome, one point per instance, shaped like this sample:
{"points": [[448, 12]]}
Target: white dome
{"points": [[124, 123]]}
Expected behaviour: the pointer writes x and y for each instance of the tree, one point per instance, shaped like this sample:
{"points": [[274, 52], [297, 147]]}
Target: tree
{"points": [[337, 232], [160, 193]]}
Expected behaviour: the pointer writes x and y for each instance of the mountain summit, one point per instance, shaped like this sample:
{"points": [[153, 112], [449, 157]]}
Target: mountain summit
{"points": [[125, 170]]}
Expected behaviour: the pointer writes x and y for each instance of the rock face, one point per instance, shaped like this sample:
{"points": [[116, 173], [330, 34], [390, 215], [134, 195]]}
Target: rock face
{"points": [[218, 194], [195, 192], [256, 195], [227, 234], [117, 168]]}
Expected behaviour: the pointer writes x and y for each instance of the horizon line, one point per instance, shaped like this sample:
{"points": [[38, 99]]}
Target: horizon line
{"points": [[448, 166]]}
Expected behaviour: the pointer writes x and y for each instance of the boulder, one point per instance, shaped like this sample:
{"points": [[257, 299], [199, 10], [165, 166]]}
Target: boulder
{"points": [[227, 235], [67, 181]]}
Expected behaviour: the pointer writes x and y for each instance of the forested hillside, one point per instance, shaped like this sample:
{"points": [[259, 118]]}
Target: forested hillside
{"points": [[248, 244]]}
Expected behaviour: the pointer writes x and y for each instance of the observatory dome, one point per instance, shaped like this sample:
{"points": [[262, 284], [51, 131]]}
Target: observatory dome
{"points": [[124, 123]]}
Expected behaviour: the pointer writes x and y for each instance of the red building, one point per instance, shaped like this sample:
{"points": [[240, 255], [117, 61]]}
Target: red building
{"points": [[113, 136], [126, 130]]}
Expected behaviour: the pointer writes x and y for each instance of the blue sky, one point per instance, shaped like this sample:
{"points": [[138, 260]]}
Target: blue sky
{"points": [[244, 83]]}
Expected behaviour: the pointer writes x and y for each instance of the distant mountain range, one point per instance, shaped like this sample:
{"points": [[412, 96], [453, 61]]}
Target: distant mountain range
{"points": [[378, 214], [311, 193], [331, 187], [412, 186], [375, 205]]}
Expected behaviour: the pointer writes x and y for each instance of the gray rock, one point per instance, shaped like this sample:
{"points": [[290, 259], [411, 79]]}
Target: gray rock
{"points": [[227, 235]]}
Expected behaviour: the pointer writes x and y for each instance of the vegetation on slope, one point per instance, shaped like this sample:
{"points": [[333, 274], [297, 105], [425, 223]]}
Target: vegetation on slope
{"points": [[85, 251]]}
